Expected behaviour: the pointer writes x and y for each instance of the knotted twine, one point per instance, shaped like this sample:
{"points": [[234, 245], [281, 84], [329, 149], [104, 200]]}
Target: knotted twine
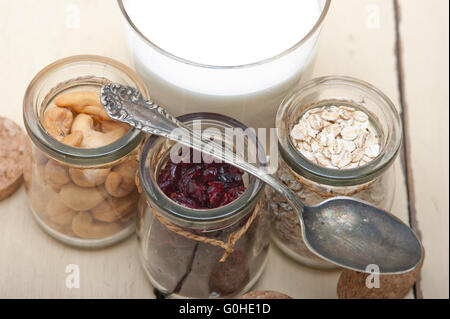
{"points": [[228, 246]]}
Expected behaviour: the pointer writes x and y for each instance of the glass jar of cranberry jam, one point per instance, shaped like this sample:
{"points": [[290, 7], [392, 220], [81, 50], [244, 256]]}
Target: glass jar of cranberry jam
{"points": [[202, 227]]}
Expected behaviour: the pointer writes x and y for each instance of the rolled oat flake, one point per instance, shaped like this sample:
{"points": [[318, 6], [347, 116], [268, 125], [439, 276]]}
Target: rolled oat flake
{"points": [[337, 137]]}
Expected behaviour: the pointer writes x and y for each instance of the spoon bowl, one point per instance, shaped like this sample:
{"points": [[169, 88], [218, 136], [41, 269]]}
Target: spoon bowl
{"points": [[354, 234]]}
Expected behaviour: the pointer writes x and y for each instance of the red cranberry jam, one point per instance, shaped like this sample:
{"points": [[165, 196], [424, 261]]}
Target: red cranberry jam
{"points": [[201, 185]]}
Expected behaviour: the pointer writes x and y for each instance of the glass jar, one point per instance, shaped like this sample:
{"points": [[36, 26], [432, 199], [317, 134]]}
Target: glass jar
{"points": [[373, 182], [67, 186], [249, 92], [179, 245]]}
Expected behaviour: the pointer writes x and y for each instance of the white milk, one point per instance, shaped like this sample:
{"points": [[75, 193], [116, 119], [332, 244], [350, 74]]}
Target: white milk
{"points": [[213, 37]]}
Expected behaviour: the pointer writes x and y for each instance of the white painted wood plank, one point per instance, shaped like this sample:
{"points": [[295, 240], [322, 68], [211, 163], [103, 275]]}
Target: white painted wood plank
{"points": [[424, 34]]}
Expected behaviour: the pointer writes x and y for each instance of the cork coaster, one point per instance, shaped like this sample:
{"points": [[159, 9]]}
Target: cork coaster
{"points": [[352, 284], [12, 156], [264, 294]]}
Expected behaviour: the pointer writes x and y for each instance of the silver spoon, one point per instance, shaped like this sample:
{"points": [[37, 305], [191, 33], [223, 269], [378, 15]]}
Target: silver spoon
{"points": [[344, 231]]}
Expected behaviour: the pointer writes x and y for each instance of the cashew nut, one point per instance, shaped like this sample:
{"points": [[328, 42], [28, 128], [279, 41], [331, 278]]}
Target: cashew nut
{"points": [[56, 175], [120, 182], [89, 177], [27, 170], [58, 121], [83, 123], [107, 138], [83, 102], [40, 170], [73, 139], [84, 226], [91, 137], [39, 157], [39, 163], [38, 174], [38, 195], [81, 198], [108, 126], [59, 213], [114, 209], [43, 175]]}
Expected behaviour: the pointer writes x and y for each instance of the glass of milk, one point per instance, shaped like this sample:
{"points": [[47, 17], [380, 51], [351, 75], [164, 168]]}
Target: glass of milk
{"points": [[234, 57]]}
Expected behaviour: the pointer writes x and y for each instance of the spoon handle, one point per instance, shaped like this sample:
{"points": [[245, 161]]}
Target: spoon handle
{"points": [[126, 104]]}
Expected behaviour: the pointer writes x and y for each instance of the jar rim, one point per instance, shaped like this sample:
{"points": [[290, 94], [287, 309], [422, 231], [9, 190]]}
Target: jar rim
{"points": [[75, 155], [311, 32], [178, 212], [344, 177]]}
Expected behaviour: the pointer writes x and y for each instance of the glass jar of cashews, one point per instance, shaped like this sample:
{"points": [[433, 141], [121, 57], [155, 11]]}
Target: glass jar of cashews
{"points": [[81, 169]]}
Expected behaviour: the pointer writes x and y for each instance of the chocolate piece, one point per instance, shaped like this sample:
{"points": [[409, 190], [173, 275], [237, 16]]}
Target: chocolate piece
{"points": [[264, 294], [229, 276]]}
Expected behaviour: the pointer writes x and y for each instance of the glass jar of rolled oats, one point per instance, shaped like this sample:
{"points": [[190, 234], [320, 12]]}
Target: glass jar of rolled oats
{"points": [[338, 136], [81, 166]]}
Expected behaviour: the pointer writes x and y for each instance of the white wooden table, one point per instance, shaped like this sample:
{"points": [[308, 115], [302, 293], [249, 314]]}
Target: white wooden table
{"points": [[400, 46]]}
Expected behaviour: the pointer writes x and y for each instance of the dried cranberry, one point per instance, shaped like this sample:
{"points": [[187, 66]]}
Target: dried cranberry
{"points": [[209, 174], [191, 173], [201, 185], [231, 195], [196, 190], [215, 193], [168, 177], [236, 170], [230, 175], [236, 174], [181, 199]]}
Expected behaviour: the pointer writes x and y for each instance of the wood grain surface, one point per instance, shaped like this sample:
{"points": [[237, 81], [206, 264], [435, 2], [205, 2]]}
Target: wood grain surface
{"points": [[401, 47]]}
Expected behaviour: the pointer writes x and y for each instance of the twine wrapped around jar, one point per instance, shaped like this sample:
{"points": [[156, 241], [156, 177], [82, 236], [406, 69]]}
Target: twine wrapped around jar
{"points": [[232, 238], [327, 194]]}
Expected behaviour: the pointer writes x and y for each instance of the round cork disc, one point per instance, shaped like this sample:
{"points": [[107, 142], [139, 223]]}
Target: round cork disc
{"points": [[12, 156], [353, 285], [264, 294]]}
